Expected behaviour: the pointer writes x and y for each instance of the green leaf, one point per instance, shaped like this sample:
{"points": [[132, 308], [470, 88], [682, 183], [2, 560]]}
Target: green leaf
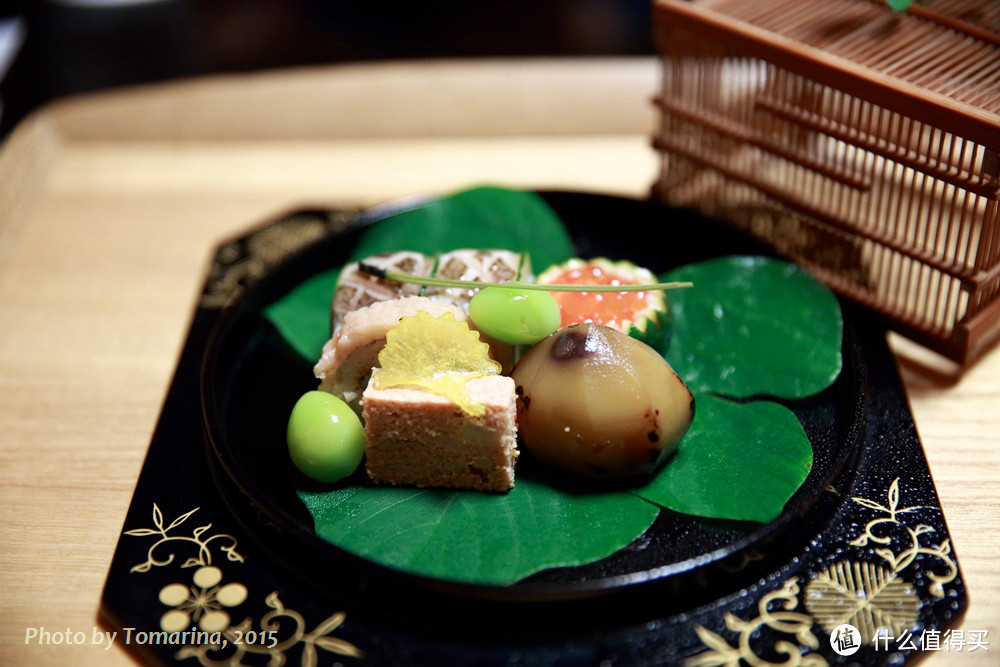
{"points": [[483, 538], [754, 326], [302, 316], [737, 462], [482, 217]]}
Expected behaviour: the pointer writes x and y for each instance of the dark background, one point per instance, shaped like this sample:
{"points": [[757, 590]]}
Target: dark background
{"points": [[69, 48]]}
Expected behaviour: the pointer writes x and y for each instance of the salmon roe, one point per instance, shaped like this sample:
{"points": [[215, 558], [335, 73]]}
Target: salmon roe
{"points": [[607, 308]]}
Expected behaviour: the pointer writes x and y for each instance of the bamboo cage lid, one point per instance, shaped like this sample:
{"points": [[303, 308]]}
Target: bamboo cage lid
{"points": [[947, 50]]}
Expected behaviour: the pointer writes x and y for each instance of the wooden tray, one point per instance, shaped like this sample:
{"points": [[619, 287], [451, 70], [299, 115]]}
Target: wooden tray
{"points": [[111, 206]]}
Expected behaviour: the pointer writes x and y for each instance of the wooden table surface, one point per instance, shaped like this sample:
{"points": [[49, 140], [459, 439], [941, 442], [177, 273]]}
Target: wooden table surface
{"points": [[111, 205]]}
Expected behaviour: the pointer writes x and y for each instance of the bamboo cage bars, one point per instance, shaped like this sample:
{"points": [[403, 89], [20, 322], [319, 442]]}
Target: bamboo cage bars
{"points": [[861, 142]]}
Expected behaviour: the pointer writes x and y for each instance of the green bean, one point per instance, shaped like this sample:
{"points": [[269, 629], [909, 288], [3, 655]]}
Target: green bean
{"points": [[326, 439], [514, 316]]}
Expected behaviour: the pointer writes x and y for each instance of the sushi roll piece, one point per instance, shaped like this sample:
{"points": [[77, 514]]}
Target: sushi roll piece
{"points": [[483, 266], [357, 289]]}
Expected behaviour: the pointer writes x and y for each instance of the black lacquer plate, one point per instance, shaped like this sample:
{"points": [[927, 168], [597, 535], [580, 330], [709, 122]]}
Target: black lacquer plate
{"points": [[216, 498]]}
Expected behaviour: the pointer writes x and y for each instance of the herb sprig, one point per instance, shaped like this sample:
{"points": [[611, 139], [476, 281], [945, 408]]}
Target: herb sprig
{"points": [[428, 281]]}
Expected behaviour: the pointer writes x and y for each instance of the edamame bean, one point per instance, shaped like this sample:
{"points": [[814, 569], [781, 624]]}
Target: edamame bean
{"points": [[517, 317], [326, 440]]}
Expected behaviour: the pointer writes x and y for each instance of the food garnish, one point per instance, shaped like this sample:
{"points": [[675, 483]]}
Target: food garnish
{"points": [[345, 365], [444, 282], [439, 354]]}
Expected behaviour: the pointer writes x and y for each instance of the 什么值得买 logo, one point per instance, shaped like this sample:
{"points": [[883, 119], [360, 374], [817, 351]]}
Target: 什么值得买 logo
{"points": [[845, 639]]}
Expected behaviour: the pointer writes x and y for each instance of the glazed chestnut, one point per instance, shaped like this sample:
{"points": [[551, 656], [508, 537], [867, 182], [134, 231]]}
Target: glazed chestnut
{"points": [[596, 401]]}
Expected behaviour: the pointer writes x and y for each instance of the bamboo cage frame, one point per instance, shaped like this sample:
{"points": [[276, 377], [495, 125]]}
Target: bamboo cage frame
{"points": [[860, 142]]}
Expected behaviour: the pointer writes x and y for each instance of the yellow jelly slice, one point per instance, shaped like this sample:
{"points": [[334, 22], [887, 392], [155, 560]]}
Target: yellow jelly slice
{"points": [[438, 354]]}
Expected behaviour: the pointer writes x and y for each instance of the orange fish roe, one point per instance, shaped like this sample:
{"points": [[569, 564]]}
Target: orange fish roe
{"points": [[607, 308]]}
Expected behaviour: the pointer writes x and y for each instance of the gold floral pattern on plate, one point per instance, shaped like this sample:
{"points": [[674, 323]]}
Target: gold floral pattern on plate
{"points": [[208, 601], [236, 645], [777, 612], [884, 529], [199, 538], [873, 597], [202, 603], [864, 595]]}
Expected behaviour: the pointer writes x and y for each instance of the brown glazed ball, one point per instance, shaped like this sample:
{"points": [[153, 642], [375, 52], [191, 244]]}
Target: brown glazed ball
{"points": [[595, 401]]}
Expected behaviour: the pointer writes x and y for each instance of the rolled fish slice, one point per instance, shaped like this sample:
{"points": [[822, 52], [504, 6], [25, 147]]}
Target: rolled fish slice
{"points": [[346, 364]]}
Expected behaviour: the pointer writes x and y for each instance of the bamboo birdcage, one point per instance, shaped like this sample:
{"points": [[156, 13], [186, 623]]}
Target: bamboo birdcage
{"points": [[861, 142]]}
